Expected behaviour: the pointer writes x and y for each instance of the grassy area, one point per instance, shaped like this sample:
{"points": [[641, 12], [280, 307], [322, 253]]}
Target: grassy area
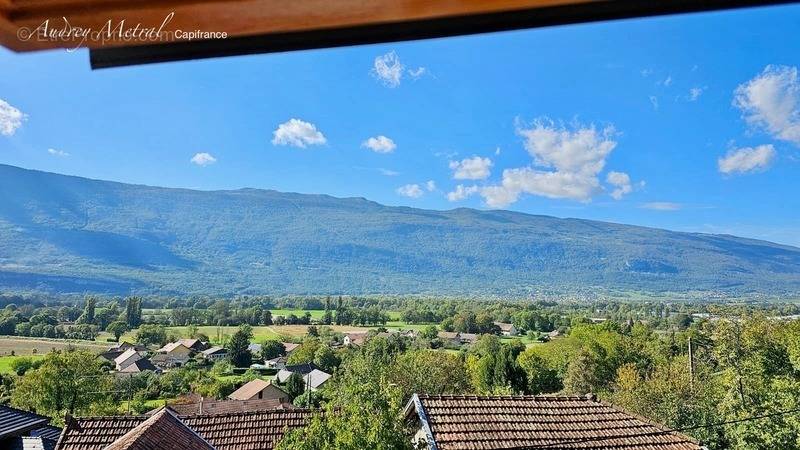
{"points": [[6, 361], [32, 346]]}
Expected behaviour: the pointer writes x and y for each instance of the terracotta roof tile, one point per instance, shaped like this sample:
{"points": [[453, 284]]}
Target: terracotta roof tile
{"points": [[234, 431], [162, 431], [517, 422]]}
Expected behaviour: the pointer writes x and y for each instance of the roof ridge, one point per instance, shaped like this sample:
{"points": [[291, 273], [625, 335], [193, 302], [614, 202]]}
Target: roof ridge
{"points": [[252, 413]]}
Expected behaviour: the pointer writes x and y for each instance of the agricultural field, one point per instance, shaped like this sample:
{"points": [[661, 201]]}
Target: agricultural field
{"points": [[6, 362], [22, 346]]}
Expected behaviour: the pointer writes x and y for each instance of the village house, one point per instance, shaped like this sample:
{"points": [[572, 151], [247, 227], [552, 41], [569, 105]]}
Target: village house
{"points": [[506, 329], [315, 379], [126, 358], [139, 366], [302, 369], [214, 353], [25, 430], [469, 422], [468, 338], [196, 345], [354, 339], [166, 429], [174, 354], [449, 338], [259, 390]]}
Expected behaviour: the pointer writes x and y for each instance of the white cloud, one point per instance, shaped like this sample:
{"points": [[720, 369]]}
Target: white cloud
{"points": [[10, 118], [388, 69], [380, 144], [747, 159], [497, 151], [646, 72], [203, 159], [695, 93], [771, 100], [654, 101], [621, 182], [60, 153], [575, 156], [388, 173], [667, 81], [410, 190], [430, 185], [462, 193], [662, 206], [297, 133], [475, 168], [417, 73]]}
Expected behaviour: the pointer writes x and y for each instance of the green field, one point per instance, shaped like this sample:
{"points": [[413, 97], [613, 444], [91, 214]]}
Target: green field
{"points": [[6, 361]]}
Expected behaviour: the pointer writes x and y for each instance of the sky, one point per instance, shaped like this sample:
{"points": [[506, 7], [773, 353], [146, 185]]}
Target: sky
{"points": [[689, 122]]}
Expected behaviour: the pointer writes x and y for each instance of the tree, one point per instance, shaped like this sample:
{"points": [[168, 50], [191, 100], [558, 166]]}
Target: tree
{"points": [[328, 317], [364, 412], [117, 328], [427, 372], [88, 311], [238, 347], [295, 386], [271, 349], [306, 352], [133, 311], [68, 381], [151, 334], [325, 358]]}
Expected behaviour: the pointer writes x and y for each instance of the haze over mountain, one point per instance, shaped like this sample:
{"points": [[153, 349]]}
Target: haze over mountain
{"points": [[68, 234]]}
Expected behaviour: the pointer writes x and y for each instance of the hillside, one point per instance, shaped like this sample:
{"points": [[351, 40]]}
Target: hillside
{"points": [[68, 234]]}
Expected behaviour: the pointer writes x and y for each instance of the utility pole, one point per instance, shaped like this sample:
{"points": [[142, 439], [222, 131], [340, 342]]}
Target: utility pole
{"points": [[691, 364]]}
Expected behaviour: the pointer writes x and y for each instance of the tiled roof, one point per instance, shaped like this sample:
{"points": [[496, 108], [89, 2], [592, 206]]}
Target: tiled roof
{"points": [[235, 431], [16, 422], [248, 431], [543, 422], [302, 369], [171, 346], [27, 443], [162, 431], [290, 346], [249, 389], [316, 378], [139, 366], [229, 406]]}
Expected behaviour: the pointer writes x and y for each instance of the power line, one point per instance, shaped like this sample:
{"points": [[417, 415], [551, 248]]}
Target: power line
{"points": [[669, 431]]}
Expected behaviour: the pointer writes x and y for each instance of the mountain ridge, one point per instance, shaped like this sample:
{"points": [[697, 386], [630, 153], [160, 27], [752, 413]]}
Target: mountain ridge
{"points": [[61, 233]]}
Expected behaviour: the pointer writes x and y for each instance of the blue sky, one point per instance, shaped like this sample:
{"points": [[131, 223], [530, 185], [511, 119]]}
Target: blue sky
{"points": [[685, 122]]}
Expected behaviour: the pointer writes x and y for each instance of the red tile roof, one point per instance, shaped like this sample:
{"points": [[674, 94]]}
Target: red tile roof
{"points": [[162, 431], [537, 422], [234, 431]]}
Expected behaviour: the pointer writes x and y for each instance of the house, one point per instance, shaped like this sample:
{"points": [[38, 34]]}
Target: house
{"points": [[354, 339], [469, 422], [25, 430], [290, 347], [259, 389], [507, 329], [229, 431], [172, 355], [195, 345], [315, 379], [214, 353], [468, 338], [276, 363], [127, 358], [302, 369], [139, 366], [449, 338]]}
